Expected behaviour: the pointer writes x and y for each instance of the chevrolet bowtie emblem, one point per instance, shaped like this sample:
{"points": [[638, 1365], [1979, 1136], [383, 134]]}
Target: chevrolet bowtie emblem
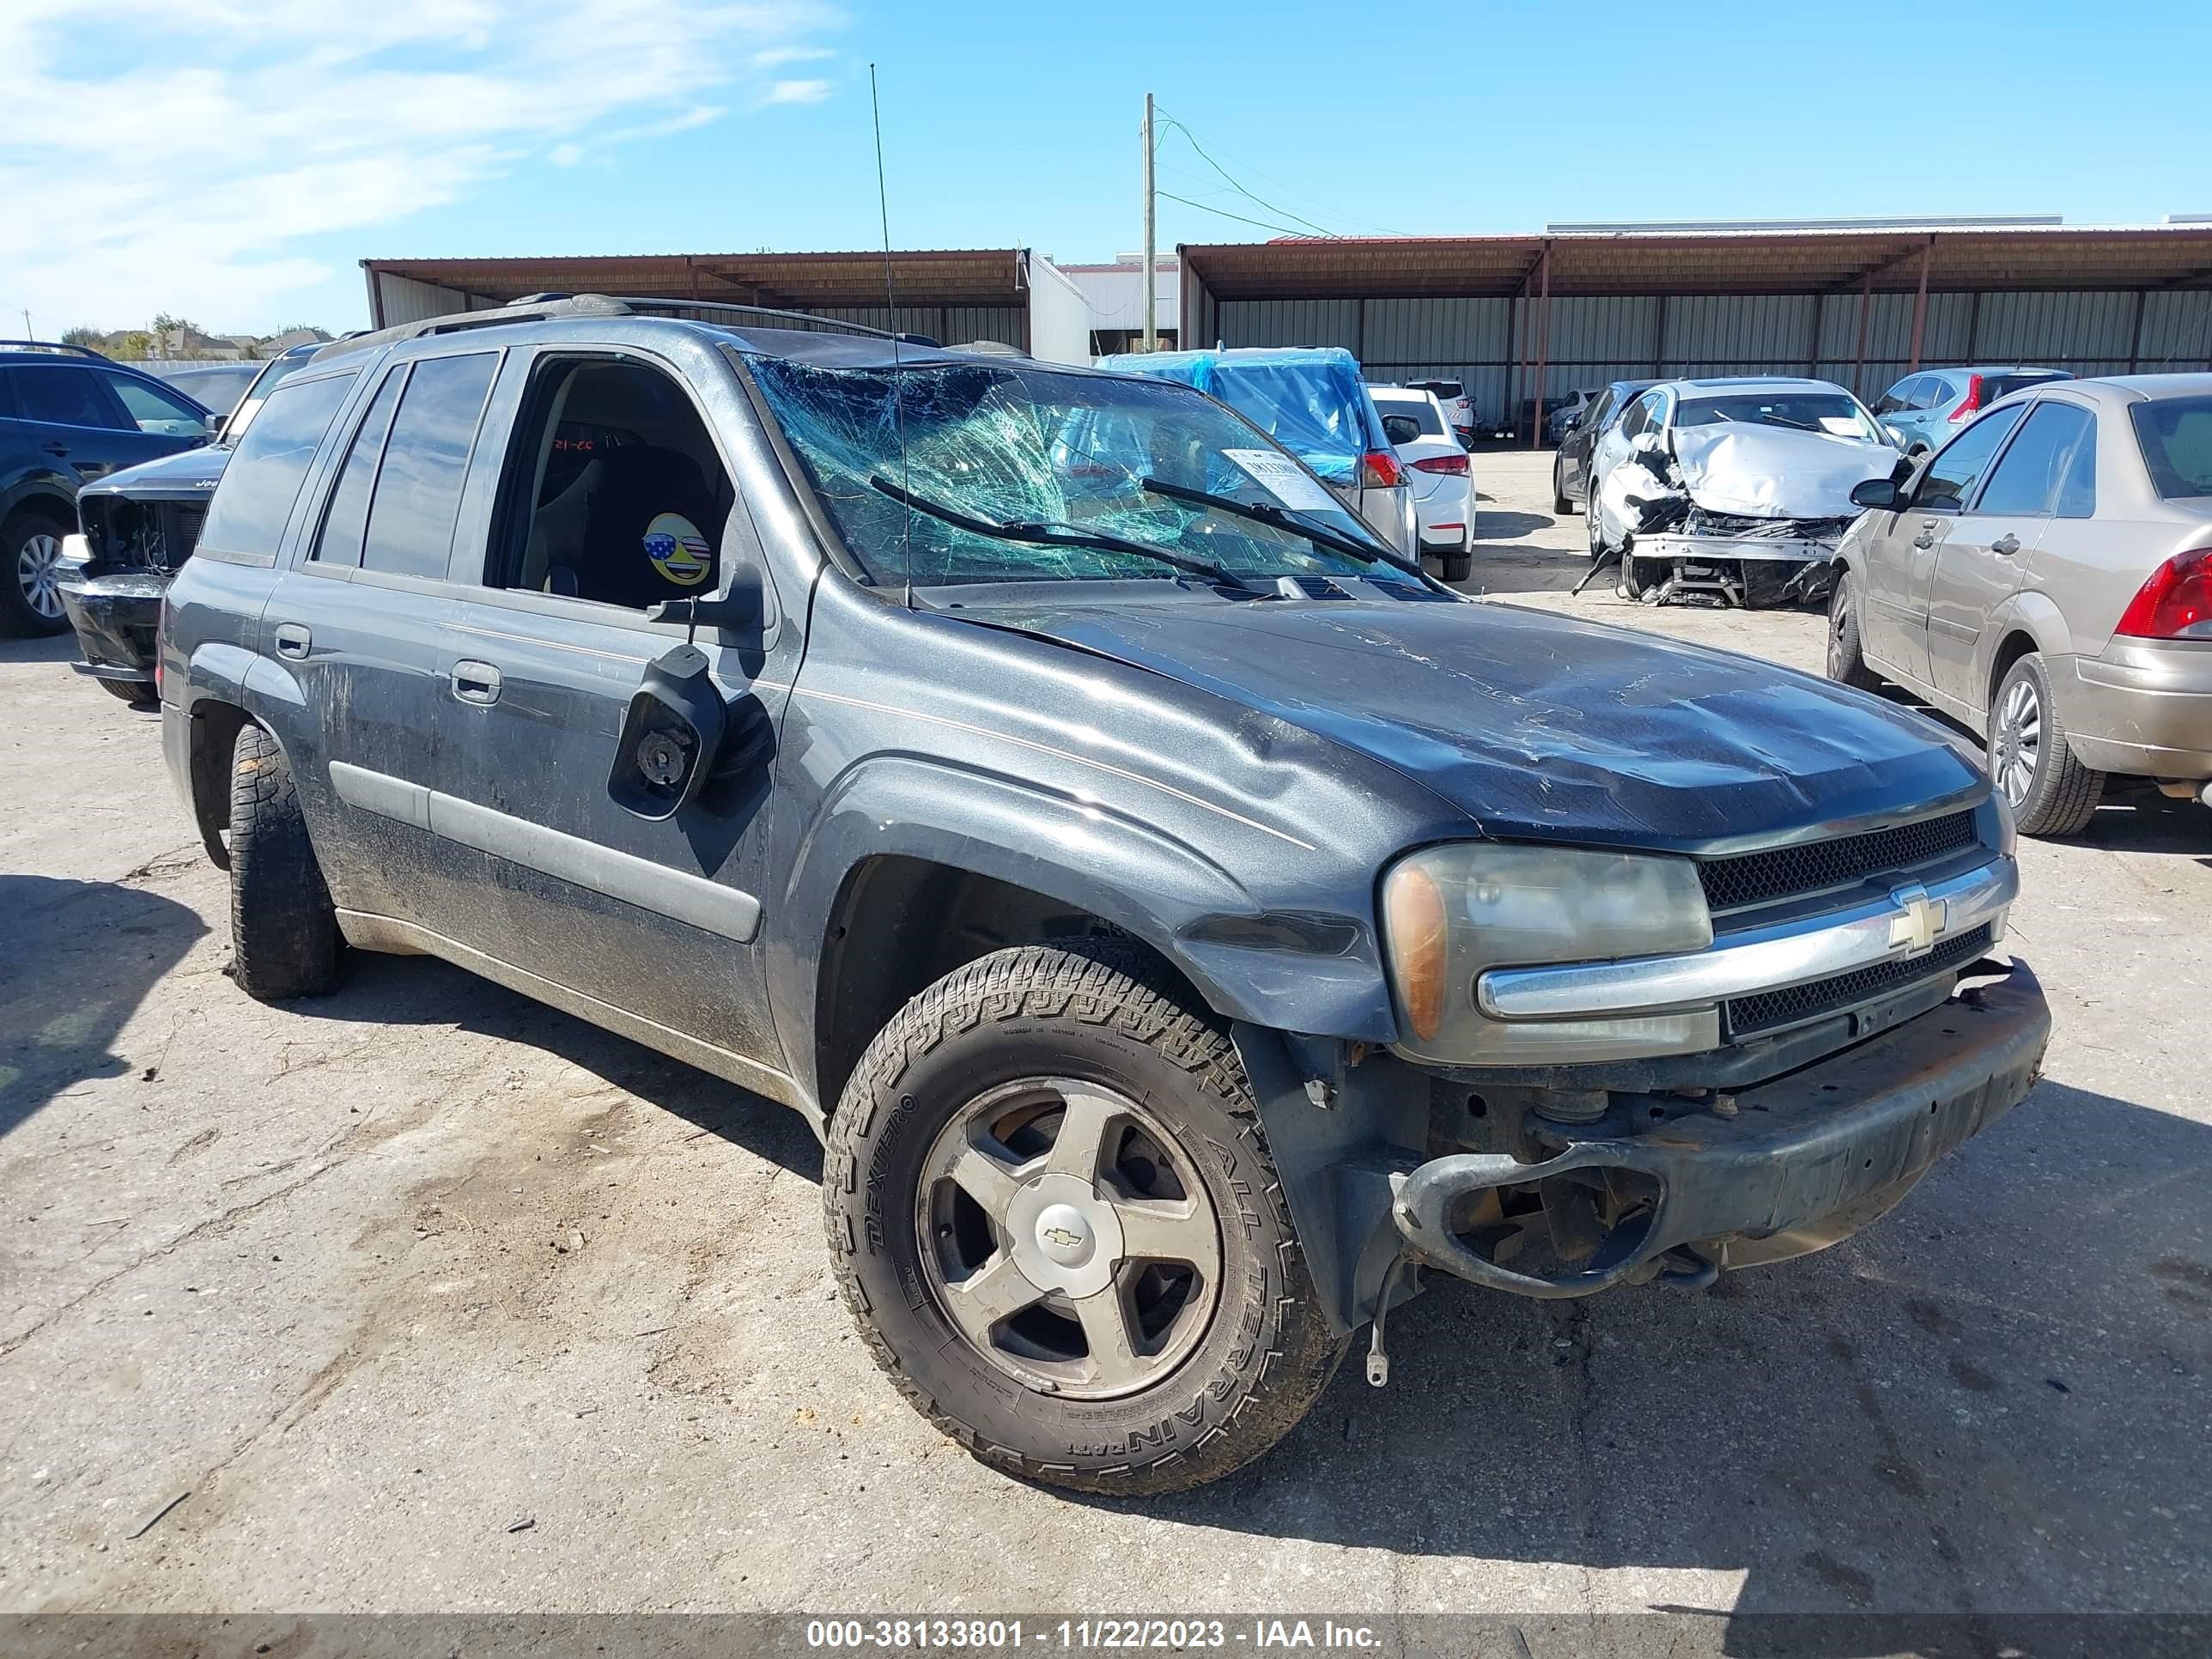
{"points": [[1922, 924], [1063, 1237]]}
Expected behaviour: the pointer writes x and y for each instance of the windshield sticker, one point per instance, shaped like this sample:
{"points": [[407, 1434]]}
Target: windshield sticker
{"points": [[677, 550], [1278, 474]]}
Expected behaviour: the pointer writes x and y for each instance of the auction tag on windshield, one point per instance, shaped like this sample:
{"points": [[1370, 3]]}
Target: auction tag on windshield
{"points": [[1278, 474]]}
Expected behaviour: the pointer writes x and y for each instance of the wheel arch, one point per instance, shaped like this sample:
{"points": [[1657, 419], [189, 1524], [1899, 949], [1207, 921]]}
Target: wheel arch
{"points": [[913, 868], [2025, 622]]}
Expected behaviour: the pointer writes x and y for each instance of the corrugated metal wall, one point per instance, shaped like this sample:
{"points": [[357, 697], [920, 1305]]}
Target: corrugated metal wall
{"points": [[1593, 340]]}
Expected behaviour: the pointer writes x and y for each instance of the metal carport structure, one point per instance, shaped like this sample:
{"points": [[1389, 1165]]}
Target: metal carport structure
{"points": [[1520, 316]]}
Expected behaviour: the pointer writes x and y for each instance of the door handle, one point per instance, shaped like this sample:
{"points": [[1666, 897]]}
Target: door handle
{"points": [[55, 450], [293, 641], [2007, 544], [476, 682], [1924, 540]]}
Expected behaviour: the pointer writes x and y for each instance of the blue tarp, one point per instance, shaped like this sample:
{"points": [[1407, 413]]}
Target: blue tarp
{"points": [[1311, 399]]}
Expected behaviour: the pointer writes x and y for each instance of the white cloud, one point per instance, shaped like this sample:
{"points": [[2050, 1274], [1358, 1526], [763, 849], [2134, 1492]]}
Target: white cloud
{"points": [[774, 57], [200, 143], [797, 92]]}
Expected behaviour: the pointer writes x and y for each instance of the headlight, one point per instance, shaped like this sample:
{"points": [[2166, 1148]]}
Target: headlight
{"points": [[1451, 913]]}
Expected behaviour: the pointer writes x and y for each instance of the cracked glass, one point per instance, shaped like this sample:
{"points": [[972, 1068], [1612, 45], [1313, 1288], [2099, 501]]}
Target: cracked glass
{"points": [[1039, 449]]}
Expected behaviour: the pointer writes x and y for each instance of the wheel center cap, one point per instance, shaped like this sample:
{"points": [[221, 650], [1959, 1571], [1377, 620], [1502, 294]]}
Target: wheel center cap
{"points": [[1064, 1235]]}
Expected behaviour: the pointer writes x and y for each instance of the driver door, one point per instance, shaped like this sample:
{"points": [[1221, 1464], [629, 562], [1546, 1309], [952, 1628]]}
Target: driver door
{"points": [[605, 491]]}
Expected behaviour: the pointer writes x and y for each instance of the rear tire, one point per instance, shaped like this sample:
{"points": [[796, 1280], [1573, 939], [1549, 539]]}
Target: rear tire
{"points": [[2051, 793], [1561, 506], [1847, 665], [283, 931], [1458, 567], [30, 551], [128, 691], [937, 1162]]}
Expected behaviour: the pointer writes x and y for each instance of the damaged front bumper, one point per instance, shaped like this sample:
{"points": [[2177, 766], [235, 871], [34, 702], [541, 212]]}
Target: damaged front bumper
{"points": [[1778, 1169], [116, 618]]}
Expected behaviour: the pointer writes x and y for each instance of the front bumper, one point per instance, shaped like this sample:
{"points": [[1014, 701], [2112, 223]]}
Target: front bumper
{"points": [[2143, 707], [116, 618], [1785, 1167]]}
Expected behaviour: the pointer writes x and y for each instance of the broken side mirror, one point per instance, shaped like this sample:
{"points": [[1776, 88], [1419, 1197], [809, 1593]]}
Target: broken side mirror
{"points": [[672, 733], [1878, 492]]}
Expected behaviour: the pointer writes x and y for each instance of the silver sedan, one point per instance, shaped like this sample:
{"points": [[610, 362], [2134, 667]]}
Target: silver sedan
{"points": [[2046, 576]]}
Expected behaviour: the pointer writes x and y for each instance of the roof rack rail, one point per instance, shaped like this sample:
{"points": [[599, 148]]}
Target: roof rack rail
{"points": [[53, 345], [548, 307]]}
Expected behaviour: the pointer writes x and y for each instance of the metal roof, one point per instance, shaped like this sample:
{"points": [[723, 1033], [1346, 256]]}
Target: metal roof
{"points": [[795, 282], [2048, 257]]}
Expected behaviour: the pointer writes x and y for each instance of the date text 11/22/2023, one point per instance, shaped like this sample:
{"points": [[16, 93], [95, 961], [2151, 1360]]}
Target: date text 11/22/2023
{"points": [[1011, 1635]]}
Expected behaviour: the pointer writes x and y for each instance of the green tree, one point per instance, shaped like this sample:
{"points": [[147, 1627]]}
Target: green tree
{"points": [[83, 335]]}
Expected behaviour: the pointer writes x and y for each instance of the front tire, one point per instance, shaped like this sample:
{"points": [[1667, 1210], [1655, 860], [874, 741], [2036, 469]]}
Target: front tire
{"points": [[30, 573], [2051, 793], [1847, 664], [283, 932], [1051, 1210]]}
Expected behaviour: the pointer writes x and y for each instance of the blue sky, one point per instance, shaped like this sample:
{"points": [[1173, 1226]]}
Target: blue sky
{"points": [[233, 160]]}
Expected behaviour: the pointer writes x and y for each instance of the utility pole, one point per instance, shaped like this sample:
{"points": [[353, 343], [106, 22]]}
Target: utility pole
{"points": [[26, 326], [1151, 265]]}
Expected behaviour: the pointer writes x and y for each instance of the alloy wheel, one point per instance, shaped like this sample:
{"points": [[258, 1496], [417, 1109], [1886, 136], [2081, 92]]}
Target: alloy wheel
{"points": [[1066, 1235], [38, 572], [2018, 746]]}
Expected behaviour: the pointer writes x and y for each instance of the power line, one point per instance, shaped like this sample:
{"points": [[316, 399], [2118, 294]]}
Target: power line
{"points": [[1191, 139], [1262, 223]]}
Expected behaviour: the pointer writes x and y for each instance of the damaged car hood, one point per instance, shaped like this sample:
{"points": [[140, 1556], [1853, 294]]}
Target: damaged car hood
{"points": [[185, 474], [1773, 472], [1539, 726]]}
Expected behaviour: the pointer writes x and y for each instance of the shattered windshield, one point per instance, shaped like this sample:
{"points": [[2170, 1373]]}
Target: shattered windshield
{"points": [[1835, 413], [993, 472]]}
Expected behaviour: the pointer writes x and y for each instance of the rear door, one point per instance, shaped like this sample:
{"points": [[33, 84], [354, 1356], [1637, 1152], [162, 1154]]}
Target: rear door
{"points": [[70, 416], [1983, 559], [612, 492], [359, 620]]}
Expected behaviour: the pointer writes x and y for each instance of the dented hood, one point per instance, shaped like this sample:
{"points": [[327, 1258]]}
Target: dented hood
{"points": [[1539, 726], [1774, 472]]}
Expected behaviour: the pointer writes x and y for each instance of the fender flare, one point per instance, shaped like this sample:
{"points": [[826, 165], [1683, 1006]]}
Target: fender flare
{"points": [[1276, 968]]}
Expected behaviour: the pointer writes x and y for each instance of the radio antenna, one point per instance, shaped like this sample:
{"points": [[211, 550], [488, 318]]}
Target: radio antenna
{"points": [[891, 322]]}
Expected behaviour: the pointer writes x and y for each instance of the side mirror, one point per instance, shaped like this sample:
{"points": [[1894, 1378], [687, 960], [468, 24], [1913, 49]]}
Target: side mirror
{"points": [[1879, 493], [672, 735]]}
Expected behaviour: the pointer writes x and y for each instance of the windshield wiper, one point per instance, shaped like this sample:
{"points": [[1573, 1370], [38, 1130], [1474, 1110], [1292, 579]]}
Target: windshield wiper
{"points": [[1047, 535], [1279, 517]]}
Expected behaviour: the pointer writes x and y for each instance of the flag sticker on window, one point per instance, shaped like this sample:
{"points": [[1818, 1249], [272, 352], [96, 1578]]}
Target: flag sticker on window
{"points": [[1280, 476], [677, 550]]}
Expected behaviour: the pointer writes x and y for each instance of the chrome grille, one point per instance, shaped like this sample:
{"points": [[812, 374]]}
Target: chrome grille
{"points": [[1748, 879], [1769, 1010]]}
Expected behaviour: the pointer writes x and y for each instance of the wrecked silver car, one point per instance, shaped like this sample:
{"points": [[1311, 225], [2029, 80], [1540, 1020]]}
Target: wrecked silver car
{"points": [[1734, 491]]}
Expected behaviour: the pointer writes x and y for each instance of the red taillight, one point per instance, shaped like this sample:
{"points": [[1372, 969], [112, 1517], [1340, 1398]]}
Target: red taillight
{"points": [[1379, 470], [1455, 466], [2175, 604], [1974, 403]]}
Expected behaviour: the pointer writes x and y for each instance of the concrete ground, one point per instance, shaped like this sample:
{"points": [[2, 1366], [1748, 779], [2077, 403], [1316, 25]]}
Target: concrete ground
{"points": [[421, 1297]]}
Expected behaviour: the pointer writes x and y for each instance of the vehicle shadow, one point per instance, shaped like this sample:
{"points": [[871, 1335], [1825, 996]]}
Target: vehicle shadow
{"points": [[393, 990], [82, 955], [1989, 1404], [1492, 526]]}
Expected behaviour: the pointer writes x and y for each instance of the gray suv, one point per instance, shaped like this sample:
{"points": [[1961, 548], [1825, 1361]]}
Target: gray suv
{"points": [[1188, 927]]}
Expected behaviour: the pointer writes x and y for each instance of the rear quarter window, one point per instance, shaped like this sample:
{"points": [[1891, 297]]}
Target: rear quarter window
{"points": [[263, 480]]}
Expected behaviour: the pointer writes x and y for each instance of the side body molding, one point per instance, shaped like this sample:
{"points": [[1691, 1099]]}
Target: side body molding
{"points": [[676, 894]]}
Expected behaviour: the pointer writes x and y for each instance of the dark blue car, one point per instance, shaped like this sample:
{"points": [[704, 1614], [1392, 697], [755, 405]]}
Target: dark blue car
{"points": [[68, 417]]}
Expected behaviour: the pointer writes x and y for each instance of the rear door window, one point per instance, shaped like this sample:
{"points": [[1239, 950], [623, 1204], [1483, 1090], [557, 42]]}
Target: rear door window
{"points": [[2025, 481], [263, 480], [347, 520], [65, 395], [418, 488], [1949, 481]]}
